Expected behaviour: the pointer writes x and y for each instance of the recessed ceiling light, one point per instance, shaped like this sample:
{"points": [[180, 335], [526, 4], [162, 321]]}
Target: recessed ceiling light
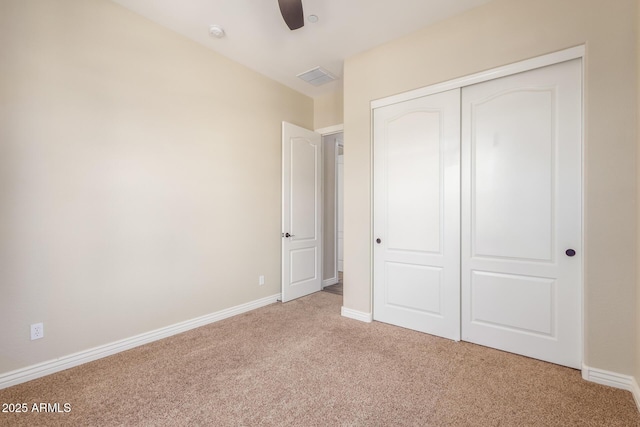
{"points": [[313, 18], [216, 31]]}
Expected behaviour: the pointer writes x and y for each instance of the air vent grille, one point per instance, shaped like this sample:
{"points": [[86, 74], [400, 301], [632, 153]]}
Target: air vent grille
{"points": [[317, 76]]}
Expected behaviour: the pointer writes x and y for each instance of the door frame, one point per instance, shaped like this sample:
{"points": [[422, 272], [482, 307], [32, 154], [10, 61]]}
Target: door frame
{"points": [[577, 52], [328, 131]]}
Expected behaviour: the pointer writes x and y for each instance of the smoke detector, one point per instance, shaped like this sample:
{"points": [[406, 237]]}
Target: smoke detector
{"points": [[216, 31], [317, 76]]}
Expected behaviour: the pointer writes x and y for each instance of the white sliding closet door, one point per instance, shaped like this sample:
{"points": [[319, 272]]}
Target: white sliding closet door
{"points": [[416, 219], [521, 213]]}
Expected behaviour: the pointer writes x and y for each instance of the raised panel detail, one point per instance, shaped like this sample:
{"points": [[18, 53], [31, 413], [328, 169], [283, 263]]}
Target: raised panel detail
{"points": [[513, 168], [414, 287], [303, 265], [413, 182], [416, 218], [521, 303], [303, 188]]}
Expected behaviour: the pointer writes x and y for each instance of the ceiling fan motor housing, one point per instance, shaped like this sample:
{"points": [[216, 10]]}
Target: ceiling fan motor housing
{"points": [[292, 13]]}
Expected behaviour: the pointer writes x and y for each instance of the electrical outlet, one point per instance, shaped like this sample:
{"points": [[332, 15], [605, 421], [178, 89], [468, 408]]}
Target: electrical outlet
{"points": [[37, 331], [261, 280]]}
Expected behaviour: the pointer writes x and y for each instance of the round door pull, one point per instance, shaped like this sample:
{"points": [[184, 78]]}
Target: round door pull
{"points": [[570, 252], [378, 240]]}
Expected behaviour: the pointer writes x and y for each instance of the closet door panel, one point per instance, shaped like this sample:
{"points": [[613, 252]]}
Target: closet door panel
{"points": [[521, 213], [512, 184], [416, 214]]}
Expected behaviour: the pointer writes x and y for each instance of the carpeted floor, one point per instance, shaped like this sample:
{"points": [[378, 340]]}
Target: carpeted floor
{"points": [[302, 364]]}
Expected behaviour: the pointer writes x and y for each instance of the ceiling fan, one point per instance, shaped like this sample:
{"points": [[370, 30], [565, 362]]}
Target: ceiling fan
{"points": [[292, 13]]}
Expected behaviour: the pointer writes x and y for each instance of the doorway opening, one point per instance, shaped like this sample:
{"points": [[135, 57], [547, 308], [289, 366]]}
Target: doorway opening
{"points": [[333, 198]]}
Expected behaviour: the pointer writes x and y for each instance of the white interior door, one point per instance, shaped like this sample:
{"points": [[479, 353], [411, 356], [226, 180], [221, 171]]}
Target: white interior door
{"points": [[521, 213], [301, 212], [417, 214]]}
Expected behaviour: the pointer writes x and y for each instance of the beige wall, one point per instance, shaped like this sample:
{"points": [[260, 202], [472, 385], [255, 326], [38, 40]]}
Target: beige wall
{"points": [[139, 177], [500, 33], [328, 110], [637, 326]]}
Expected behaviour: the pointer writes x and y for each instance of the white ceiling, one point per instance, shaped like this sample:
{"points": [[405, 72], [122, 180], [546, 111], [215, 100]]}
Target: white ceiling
{"points": [[257, 36]]}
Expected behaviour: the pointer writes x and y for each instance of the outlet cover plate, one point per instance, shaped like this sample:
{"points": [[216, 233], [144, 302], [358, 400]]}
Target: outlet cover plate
{"points": [[37, 331]]}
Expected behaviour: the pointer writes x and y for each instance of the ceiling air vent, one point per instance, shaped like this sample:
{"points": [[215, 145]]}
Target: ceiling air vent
{"points": [[317, 76]]}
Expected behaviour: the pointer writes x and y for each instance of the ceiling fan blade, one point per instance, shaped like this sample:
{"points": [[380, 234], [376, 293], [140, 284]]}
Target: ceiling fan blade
{"points": [[292, 13]]}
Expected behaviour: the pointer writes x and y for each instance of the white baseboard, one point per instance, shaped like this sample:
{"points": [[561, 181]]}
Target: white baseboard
{"points": [[613, 379], [609, 378], [357, 315], [330, 281], [46, 368], [635, 390]]}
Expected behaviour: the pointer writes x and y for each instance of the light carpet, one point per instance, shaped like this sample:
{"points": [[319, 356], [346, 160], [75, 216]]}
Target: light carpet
{"points": [[302, 364]]}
